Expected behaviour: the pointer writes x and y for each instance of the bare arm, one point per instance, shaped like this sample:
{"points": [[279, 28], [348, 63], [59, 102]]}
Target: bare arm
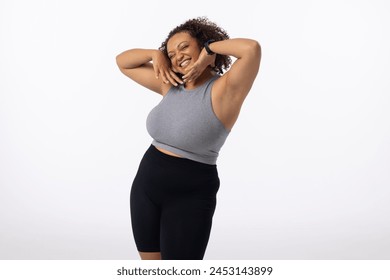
{"points": [[230, 90], [149, 68], [240, 77]]}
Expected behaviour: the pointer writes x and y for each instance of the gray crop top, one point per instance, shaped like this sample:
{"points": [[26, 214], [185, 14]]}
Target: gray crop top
{"points": [[184, 123]]}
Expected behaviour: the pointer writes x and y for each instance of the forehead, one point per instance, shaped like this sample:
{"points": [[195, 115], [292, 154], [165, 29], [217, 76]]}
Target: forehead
{"points": [[176, 39]]}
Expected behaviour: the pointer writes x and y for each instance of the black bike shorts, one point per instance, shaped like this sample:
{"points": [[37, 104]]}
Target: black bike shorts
{"points": [[172, 203]]}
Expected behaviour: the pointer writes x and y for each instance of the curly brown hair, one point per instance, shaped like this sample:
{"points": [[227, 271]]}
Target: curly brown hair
{"points": [[202, 29]]}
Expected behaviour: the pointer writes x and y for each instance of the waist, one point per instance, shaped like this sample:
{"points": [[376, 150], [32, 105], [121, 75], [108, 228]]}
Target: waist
{"points": [[185, 155]]}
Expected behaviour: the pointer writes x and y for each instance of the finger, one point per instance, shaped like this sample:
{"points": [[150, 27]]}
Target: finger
{"points": [[164, 77], [174, 69], [193, 77], [188, 79], [186, 76], [189, 72], [168, 79], [155, 71], [175, 77], [190, 76], [171, 80]]}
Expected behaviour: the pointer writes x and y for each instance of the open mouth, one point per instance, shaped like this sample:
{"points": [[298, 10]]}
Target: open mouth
{"points": [[185, 63]]}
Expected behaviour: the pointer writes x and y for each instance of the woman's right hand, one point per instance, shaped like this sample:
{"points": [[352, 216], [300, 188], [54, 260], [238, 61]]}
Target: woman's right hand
{"points": [[161, 66]]}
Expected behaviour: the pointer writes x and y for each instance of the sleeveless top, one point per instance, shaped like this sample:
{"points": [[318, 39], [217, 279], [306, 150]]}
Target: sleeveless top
{"points": [[184, 123]]}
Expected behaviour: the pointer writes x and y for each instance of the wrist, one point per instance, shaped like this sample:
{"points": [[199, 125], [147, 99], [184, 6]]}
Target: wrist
{"points": [[207, 47], [156, 52]]}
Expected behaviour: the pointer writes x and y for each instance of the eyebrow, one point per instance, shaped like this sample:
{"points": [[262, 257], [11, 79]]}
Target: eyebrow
{"points": [[179, 45]]}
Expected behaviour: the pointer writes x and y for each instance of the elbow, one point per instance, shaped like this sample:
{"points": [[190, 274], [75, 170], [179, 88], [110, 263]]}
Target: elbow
{"points": [[251, 49], [254, 49], [118, 60]]}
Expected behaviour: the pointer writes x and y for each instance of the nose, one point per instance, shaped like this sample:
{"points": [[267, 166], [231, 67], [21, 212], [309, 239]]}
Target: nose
{"points": [[179, 57]]}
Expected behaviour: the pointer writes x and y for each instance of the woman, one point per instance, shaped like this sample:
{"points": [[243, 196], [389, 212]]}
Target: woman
{"points": [[173, 196]]}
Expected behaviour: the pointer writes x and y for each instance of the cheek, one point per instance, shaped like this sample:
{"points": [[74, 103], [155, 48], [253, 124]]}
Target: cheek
{"points": [[195, 54]]}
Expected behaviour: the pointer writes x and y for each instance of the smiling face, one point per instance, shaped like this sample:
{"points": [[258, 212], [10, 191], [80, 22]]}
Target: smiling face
{"points": [[183, 50]]}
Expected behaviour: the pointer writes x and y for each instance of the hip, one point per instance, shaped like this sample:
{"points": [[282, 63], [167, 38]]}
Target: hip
{"points": [[171, 173]]}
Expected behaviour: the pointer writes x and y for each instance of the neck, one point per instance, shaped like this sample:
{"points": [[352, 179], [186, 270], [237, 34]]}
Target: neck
{"points": [[206, 75]]}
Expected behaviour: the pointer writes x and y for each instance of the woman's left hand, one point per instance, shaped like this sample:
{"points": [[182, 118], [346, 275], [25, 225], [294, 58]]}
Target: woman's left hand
{"points": [[195, 70]]}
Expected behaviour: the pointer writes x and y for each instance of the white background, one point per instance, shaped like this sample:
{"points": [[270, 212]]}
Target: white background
{"points": [[304, 173]]}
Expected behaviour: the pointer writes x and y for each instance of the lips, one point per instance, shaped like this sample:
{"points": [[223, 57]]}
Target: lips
{"points": [[184, 63]]}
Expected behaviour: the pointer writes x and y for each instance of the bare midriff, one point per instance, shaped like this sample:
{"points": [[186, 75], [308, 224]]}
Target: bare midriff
{"points": [[167, 152]]}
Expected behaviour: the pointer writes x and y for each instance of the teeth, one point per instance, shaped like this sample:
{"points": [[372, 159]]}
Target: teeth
{"points": [[184, 63]]}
